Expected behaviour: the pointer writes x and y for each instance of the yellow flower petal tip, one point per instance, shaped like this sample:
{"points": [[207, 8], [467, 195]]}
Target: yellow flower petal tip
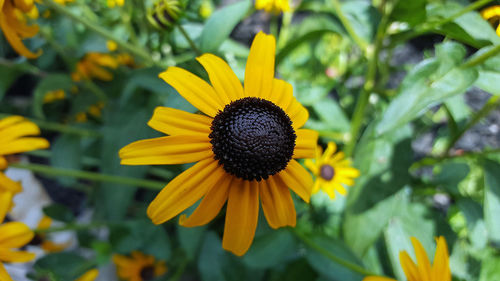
{"points": [[273, 6]]}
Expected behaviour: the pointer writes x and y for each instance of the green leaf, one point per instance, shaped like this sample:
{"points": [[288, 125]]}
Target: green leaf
{"points": [[9, 75], [490, 269], [190, 239], [270, 249], [49, 83], [492, 199], [331, 115], [489, 76], [220, 24], [476, 227], [430, 82], [363, 17], [67, 154], [412, 12], [59, 212], [212, 259], [63, 266]]}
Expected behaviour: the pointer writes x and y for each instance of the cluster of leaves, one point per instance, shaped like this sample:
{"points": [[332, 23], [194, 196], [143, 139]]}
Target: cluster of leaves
{"points": [[341, 59]]}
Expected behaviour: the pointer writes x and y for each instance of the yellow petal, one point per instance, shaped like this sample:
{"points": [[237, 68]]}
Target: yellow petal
{"points": [[196, 91], [490, 12], [3, 163], [185, 190], [305, 146], [20, 129], [173, 122], [409, 268], [259, 71], [297, 179], [423, 263], [15, 40], [441, 266], [5, 203], [281, 94], [222, 77], [297, 113], [330, 150], [211, 204], [15, 235], [8, 185], [90, 275], [347, 172], [9, 121], [4, 275], [167, 150], [277, 203], [241, 216], [23, 145], [7, 255]]}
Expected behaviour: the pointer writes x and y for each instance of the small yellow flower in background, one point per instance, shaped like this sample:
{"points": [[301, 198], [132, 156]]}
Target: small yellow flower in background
{"points": [[53, 96], [245, 147], [81, 117], [96, 109], [138, 267], [332, 171], [42, 241], [111, 45], [13, 23], [93, 65], [423, 270], [13, 235], [113, 3], [63, 2], [492, 14], [90, 275], [15, 132], [273, 6], [206, 9]]}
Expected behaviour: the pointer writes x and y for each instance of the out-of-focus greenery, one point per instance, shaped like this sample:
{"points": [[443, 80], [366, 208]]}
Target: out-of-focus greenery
{"points": [[344, 59]]}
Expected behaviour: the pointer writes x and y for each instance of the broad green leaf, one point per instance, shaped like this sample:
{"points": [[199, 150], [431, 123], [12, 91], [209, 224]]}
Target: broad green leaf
{"points": [[363, 17], [67, 154], [412, 12], [190, 239], [270, 249], [212, 259], [331, 116], [49, 83], [492, 199], [63, 266], [430, 82], [220, 24], [489, 76], [59, 212], [9, 75], [490, 269], [476, 227]]}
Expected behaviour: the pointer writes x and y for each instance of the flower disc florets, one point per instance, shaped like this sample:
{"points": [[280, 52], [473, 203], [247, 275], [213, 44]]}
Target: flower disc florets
{"points": [[252, 138]]}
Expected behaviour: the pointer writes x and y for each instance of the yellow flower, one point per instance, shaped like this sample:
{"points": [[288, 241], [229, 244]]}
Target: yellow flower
{"points": [[13, 24], [14, 132], [492, 14], [93, 66], [273, 6], [332, 171], [423, 270], [42, 241], [244, 147], [138, 267], [13, 235], [90, 275], [111, 45], [52, 96], [113, 3]]}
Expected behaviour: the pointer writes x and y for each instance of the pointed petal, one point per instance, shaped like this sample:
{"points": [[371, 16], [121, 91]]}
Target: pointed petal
{"points": [[211, 204], [23, 145], [15, 40], [297, 179], [222, 77], [174, 122], [90, 275], [196, 91], [281, 94], [259, 71], [409, 268], [5, 203], [277, 203], [167, 150], [185, 190], [4, 275], [8, 185], [305, 146], [7, 255], [423, 263], [8, 121], [297, 113], [23, 128], [15, 235], [441, 265], [241, 216]]}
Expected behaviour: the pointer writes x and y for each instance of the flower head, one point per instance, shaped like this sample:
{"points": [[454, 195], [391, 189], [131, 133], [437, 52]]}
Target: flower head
{"points": [[138, 267], [423, 270], [13, 22], [42, 240], [492, 14], [273, 6], [332, 171], [245, 147], [94, 65]]}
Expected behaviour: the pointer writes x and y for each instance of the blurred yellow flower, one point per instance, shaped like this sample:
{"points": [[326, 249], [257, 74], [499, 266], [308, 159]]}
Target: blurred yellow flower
{"points": [[13, 23], [93, 65], [90, 275], [206, 9], [273, 6], [332, 171], [245, 147], [63, 2], [52, 96], [138, 267], [13, 235], [492, 14], [14, 138], [42, 241], [113, 3], [423, 270], [111, 45]]}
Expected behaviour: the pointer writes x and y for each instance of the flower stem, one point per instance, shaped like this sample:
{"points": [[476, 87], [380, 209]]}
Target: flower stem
{"points": [[330, 256], [477, 60], [431, 161], [61, 172], [190, 41], [347, 25]]}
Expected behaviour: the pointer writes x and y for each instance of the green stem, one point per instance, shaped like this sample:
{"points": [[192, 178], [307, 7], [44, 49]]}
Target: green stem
{"points": [[477, 60], [451, 120], [51, 126], [492, 104], [135, 50], [330, 256], [190, 41], [273, 26], [347, 25], [61, 172], [431, 161]]}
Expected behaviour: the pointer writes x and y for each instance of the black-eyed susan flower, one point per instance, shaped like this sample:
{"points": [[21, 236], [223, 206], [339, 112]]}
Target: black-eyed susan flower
{"points": [[15, 132], [13, 235], [138, 267], [43, 241], [95, 65], [13, 22], [423, 270], [244, 147], [90, 275], [492, 15], [273, 6], [332, 171]]}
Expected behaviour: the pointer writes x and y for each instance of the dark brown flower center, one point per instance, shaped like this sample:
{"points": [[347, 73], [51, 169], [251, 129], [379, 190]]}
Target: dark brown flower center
{"points": [[252, 138], [327, 172], [148, 273]]}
